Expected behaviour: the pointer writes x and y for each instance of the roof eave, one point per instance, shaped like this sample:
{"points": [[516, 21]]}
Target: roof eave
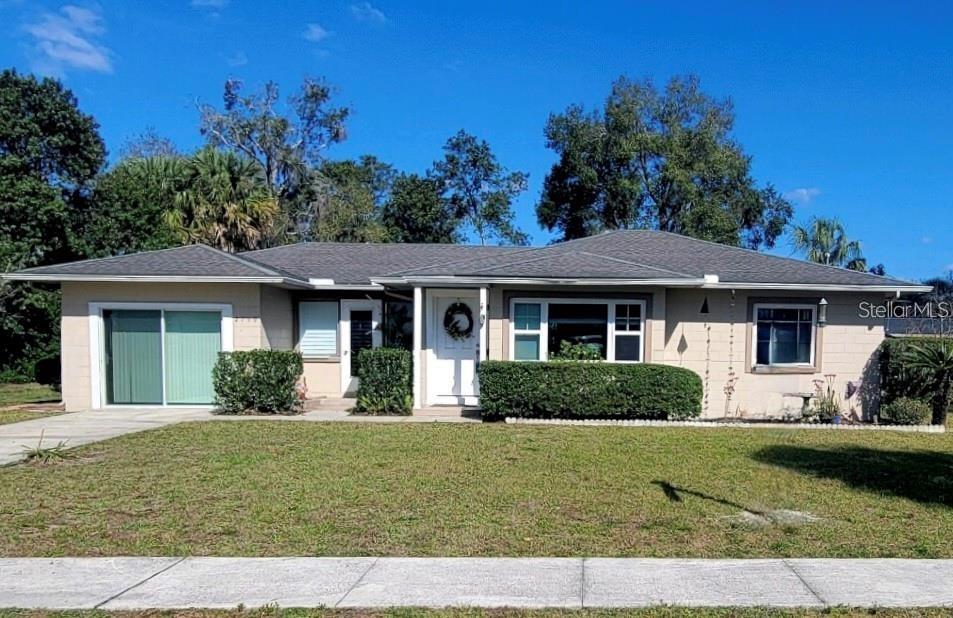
{"points": [[55, 277], [820, 287]]}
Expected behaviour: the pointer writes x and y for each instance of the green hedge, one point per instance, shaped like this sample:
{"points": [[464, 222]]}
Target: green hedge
{"points": [[896, 379], [386, 381], [588, 390], [257, 381], [906, 411]]}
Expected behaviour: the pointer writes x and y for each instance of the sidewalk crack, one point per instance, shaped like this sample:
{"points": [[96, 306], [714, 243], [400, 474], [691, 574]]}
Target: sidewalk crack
{"points": [[357, 583], [137, 584], [804, 581]]}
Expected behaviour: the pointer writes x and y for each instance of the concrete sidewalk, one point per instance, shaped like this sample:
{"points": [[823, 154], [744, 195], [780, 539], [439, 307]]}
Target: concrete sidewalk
{"points": [[77, 428], [171, 583]]}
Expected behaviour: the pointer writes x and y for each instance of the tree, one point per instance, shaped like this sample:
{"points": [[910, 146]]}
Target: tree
{"points": [[147, 145], [935, 361], [479, 190], [129, 205], [225, 202], [49, 153], [656, 159], [416, 212], [347, 197], [824, 241], [286, 142]]}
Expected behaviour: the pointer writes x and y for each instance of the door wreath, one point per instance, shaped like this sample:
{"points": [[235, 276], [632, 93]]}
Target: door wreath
{"points": [[452, 321]]}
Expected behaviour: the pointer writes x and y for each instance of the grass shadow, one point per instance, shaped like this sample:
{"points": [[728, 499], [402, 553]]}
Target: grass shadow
{"points": [[923, 476]]}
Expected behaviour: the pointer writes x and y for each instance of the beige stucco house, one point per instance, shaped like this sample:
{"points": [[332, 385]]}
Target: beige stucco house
{"points": [[145, 329]]}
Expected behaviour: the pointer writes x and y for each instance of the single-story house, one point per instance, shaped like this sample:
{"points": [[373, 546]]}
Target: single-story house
{"points": [[144, 329]]}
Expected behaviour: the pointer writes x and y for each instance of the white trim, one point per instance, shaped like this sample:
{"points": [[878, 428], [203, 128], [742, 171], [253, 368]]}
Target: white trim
{"points": [[754, 332], [418, 345], [97, 371], [484, 322], [344, 330], [543, 332]]}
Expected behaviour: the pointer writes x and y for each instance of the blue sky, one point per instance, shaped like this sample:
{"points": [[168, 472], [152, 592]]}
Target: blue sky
{"points": [[844, 108]]}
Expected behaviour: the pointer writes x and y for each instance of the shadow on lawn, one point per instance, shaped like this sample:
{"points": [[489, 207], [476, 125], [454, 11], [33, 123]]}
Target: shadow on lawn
{"points": [[924, 476]]}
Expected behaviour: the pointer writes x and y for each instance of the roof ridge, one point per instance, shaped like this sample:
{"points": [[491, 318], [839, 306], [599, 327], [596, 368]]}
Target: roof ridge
{"points": [[778, 257], [516, 251], [630, 262], [252, 263]]}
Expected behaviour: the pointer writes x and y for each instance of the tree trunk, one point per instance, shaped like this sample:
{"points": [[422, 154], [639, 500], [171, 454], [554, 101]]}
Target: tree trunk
{"points": [[941, 402]]}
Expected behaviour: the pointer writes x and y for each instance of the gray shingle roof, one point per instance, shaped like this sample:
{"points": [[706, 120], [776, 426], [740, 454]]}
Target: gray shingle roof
{"points": [[356, 263], [641, 255], [188, 261], [653, 255]]}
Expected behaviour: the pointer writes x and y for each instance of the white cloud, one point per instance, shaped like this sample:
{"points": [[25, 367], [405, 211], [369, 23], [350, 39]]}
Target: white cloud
{"points": [[804, 195], [315, 33], [238, 59], [210, 4], [365, 11], [67, 39]]}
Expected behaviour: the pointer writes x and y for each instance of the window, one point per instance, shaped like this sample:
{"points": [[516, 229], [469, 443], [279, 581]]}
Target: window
{"points": [[628, 333], [527, 331], [318, 329], [578, 324], [613, 328], [784, 334]]}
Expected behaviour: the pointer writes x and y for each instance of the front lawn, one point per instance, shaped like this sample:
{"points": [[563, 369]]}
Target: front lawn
{"points": [[263, 488], [23, 394]]}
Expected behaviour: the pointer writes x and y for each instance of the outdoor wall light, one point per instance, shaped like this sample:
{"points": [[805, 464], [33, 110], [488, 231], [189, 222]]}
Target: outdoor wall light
{"points": [[822, 312]]}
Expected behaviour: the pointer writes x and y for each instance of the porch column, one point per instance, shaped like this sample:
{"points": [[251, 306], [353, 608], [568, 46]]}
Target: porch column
{"points": [[418, 344], [484, 321]]}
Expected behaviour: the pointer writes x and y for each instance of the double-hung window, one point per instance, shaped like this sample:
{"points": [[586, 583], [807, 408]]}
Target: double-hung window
{"points": [[613, 329], [527, 331], [784, 335]]}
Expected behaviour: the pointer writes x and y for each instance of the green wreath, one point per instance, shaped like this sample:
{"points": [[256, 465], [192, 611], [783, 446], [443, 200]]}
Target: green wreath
{"points": [[452, 325]]}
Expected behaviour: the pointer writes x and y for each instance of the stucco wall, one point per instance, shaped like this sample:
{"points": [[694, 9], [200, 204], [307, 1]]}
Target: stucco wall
{"points": [[277, 318], [717, 344], [243, 297]]}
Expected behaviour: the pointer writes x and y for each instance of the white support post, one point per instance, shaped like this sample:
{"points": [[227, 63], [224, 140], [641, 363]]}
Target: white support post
{"points": [[418, 344], [484, 321]]}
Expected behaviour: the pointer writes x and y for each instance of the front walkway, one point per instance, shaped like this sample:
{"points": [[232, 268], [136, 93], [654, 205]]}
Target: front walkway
{"points": [[77, 428], [170, 583]]}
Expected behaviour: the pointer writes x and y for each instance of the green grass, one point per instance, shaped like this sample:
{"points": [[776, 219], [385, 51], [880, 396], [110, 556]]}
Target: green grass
{"points": [[655, 612], [17, 394], [262, 488]]}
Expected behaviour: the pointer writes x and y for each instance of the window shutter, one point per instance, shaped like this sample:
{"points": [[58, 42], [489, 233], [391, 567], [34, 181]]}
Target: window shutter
{"points": [[318, 329]]}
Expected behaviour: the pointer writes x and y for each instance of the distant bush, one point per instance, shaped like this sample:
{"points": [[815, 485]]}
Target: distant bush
{"points": [[897, 378], [906, 411], [588, 390], [47, 371], [385, 381], [257, 381], [576, 352]]}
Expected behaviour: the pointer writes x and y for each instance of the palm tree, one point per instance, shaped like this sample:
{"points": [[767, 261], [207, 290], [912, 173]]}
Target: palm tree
{"points": [[934, 361], [225, 202], [824, 241]]}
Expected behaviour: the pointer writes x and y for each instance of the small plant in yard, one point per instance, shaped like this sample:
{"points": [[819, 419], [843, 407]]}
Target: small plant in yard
{"points": [[827, 406], [906, 411], [46, 454]]}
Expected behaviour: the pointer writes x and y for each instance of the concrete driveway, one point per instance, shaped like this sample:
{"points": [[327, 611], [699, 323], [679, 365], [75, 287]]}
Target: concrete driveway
{"points": [[78, 428]]}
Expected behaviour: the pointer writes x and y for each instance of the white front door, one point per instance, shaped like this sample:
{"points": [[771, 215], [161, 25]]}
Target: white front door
{"points": [[453, 347], [360, 329]]}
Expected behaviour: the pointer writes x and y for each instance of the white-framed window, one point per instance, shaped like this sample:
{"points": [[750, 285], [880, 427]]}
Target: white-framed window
{"points": [[318, 328], [783, 334], [614, 329]]}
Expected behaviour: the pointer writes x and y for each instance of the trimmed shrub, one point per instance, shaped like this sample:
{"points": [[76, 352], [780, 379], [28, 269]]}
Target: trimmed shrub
{"points": [[896, 378], [906, 411], [588, 390], [257, 382], [386, 381]]}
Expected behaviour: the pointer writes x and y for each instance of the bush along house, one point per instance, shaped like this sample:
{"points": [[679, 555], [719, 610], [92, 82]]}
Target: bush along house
{"points": [[760, 331]]}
